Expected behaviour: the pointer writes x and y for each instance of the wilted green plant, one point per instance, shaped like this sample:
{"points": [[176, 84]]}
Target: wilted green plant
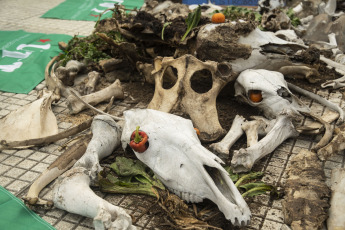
{"points": [[192, 21], [294, 20]]}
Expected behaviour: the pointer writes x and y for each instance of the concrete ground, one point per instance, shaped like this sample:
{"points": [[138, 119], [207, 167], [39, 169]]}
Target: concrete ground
{"points": [[19, 168]]}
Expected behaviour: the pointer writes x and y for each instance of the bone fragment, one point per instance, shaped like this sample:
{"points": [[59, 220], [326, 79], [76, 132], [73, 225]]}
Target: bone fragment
{"points": [[90, 86], [316, 127], [75, 106], [35, 120], [253, 129], [68, 73], [304, 205], [309, 73], [336, 220], [244, 159], [337, 83], [335, 146], [328, 132], [230, 138], [72, 193], [109, 65], [64, 162], [320, 100]]}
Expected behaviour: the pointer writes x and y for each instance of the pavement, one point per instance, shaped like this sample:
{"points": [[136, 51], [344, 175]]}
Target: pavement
{"points": [[19, 168]]}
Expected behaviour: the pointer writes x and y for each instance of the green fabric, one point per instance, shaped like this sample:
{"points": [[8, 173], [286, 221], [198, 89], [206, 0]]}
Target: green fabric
{"points": [[23, 58], [88, 10], [15, 215]]}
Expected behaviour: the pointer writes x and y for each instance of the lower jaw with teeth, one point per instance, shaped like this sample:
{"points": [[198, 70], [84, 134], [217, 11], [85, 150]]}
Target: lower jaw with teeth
{"points": [[189, 197]]}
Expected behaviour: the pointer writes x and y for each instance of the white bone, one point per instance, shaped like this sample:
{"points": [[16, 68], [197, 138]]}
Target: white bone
{"points": [[34, 120], [336, 219], [93, 78], [114, 90], [244, 159], [276, 96], [320, 100], [175, 151], [73, 194], [253, 129], [230, 138], [72, 190], [106, 137]]}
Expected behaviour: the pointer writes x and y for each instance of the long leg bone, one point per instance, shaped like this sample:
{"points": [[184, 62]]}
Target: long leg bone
{"points": [[74, 195], [231, 137], [244, 159], [115, 89], [72, 192], [106, 137], [309, 73]]}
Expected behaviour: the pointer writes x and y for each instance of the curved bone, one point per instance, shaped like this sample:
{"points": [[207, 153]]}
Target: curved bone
{"points": [[335, 146], [337, 83], [73, 194], [320, 100], [328, 132], [230, 138], [336, 219], [316, 127], [244, 159], [106, 137], [64, 162], [114, 90], [171, 159]]}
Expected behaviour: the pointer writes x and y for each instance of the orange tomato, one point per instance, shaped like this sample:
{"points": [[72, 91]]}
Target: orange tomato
{"points": [[218, 18], [255, 96]]}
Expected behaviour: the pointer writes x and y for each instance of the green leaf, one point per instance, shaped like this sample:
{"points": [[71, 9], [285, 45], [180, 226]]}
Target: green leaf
{"points": [[249, 186], [192, 21], [129, 176], [233, 176], [164, 26], [249, 176], [258, 190]]}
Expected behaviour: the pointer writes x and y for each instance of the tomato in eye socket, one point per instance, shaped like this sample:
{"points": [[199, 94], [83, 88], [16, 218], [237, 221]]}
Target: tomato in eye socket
{"points": [[255, 95]]}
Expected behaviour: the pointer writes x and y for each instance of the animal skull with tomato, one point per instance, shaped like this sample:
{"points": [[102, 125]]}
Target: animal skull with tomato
{"points": [[178, 159], [181, 97], [268, 91]]}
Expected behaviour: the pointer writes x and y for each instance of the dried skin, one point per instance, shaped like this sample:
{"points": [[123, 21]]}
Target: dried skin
{"points": [[305, 204]]}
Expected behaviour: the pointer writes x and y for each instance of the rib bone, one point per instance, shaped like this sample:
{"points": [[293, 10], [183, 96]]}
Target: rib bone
{"points": [[244, 159]]}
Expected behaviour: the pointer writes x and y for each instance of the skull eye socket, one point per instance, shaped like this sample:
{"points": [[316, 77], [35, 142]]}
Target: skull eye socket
{"points": [[255, 95], [169, 77], [201, 81]]}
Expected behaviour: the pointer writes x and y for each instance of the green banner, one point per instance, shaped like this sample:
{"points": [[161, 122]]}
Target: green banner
{"points": [[14, 215], [23, 58], [88, 10]]}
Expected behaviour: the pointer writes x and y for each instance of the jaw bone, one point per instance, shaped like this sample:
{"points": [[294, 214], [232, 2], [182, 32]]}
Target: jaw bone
{"points": [[72, 190], [178, 159]]}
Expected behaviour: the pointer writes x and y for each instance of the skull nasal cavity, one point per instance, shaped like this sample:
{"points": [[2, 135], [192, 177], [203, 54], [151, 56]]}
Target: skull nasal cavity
{"points": [[201, 81], [169, 77]]}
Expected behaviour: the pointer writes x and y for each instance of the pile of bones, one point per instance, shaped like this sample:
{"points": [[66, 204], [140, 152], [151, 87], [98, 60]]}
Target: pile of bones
{"points": [[236, 54]]}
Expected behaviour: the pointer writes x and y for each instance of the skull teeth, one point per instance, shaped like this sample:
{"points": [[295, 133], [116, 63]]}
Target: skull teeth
{"points": [[187, 196]]}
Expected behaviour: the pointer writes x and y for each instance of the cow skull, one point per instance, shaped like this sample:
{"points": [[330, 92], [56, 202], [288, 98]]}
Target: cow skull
{"points": [[268, 91], [200, 107], [178, 159]]}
